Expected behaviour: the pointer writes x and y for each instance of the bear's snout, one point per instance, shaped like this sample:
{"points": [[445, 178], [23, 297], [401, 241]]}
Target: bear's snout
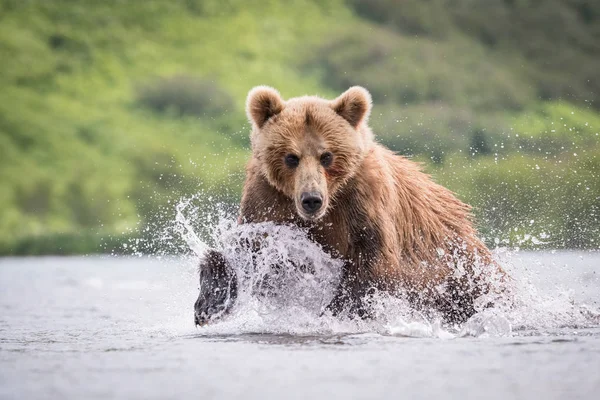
{"points": [[311, 201]]}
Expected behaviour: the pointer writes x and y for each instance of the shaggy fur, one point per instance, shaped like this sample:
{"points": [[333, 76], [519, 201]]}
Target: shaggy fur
{"points": [[395, 229], [394, 226]]}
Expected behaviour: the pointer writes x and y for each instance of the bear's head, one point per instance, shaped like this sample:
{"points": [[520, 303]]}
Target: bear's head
{"points": [[308, 147]]}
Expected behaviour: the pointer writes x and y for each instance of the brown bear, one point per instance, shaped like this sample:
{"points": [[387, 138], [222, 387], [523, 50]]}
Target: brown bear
{"points": [[315, 164]]}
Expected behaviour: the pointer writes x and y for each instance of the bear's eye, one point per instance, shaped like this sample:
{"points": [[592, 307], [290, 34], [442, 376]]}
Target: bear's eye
{"points": [[292, 160], [326, 159]]}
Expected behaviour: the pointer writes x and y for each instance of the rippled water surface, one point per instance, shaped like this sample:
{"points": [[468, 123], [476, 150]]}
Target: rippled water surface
{"points": [[100, 328]]}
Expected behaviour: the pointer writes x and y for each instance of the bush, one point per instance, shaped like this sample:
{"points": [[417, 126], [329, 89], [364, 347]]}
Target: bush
{"points": [[528, 201], [408, 71], [479, 143], [559, 63], [556, 127], [185, 95], [435, 130]]}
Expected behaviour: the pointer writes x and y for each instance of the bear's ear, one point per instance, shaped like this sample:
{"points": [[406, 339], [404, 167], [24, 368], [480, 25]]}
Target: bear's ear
{"points": [[263, 102], [354, 105]]}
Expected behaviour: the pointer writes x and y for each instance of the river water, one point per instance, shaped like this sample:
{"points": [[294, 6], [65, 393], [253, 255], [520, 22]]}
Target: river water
{"points": [[110, 327]]}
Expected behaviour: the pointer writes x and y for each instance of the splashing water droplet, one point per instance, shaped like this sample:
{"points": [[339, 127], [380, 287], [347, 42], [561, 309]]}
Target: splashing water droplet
{"points": [[285, 282]]}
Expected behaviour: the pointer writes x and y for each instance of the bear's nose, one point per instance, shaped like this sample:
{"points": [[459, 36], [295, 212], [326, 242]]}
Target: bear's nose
{"points": [[311, 201]]}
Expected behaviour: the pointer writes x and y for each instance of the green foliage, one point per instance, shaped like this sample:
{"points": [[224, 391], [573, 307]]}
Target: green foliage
{"points": [[554, 43], [185, 95], [80, 151], [479, 143], [415, 70], [531, 201], [557, 126], [112, 111]]}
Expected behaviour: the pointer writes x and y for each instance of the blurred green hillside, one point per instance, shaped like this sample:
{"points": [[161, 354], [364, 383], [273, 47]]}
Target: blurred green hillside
{"points": [[112, 111]]}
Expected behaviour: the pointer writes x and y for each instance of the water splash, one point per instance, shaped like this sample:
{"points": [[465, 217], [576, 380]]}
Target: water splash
{"points": [[277, 296], [184, 228], [544, 297]]}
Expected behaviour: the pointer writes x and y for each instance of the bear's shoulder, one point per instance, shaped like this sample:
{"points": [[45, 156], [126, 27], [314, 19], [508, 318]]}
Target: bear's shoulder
{"points": [[261, 201]]}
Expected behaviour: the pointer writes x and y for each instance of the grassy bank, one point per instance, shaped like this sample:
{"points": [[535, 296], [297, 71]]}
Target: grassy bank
{"points": [[110, 112]]}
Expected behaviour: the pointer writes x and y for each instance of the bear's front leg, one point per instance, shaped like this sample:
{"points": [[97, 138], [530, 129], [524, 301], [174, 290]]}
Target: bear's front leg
{"points": [[352, 294], [218, 288], [456, 303]]}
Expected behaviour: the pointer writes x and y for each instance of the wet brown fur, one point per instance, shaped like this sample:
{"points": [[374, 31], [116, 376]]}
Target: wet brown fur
{"points": [[395, 227]]}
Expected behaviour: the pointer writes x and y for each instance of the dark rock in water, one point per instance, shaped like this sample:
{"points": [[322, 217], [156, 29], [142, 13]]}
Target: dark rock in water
{"points": [[218, 288]]}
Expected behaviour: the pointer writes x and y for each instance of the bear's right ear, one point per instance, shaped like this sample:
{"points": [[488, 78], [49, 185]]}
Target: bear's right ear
{"points": [[263, 102]]}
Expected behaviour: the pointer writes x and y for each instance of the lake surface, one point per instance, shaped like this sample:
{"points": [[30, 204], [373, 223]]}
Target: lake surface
{"points": [[106, 327]]}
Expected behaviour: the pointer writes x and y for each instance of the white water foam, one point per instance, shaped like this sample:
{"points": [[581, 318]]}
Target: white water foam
{"points": [[275, 296]]}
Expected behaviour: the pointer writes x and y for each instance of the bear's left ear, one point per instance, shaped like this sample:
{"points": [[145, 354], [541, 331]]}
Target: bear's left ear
{"points": [[354, 105], [262, 103]]}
